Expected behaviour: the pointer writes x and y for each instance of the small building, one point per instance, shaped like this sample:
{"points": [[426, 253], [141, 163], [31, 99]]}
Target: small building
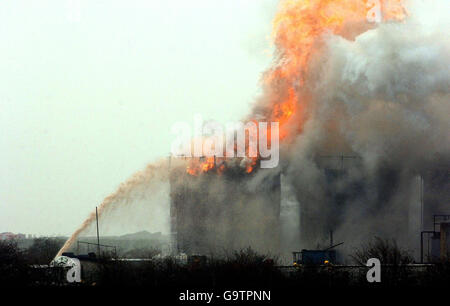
{"points": [[314, 257]]}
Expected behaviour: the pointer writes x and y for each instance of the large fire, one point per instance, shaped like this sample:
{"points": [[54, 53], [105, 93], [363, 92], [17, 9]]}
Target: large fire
{"points": [[298, 30]]}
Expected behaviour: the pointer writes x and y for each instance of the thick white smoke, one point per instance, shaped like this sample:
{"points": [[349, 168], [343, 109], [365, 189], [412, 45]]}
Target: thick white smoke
{"points": [[383, 100]]}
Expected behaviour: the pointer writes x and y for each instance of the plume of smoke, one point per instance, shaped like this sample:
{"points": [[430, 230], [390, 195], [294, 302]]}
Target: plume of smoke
{"points": [[382, 97]]}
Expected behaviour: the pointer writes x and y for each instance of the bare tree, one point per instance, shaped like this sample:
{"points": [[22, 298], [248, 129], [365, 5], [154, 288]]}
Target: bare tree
{"points": [[387, 251]]}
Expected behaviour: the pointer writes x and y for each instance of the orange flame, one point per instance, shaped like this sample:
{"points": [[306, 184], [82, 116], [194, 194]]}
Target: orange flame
{"points": [[208, 164], [298, 31], [251, 165], [196, 166]]}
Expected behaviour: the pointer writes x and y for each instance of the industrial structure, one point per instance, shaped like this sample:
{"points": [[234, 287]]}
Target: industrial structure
{"points": [[320, 217], [435, 244], [226, 210], [214, 212]]}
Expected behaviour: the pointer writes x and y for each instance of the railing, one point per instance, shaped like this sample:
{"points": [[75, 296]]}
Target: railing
{"points": [[96, 245]]}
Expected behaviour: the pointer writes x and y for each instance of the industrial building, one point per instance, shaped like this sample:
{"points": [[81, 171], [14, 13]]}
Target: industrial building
{"points": [[215, 212], [212, 212]]}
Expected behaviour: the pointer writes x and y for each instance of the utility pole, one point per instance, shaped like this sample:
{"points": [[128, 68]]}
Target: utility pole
{"points": [[98, 237], [421, 203]]}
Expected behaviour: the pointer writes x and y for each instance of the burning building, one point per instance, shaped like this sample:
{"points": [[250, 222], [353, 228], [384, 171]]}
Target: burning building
{"points": [[214, 212], [338, 84]]}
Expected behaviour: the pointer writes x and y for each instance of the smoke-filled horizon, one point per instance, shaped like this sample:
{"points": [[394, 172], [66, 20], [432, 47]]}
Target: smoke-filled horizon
{"points": [[377, 94]]}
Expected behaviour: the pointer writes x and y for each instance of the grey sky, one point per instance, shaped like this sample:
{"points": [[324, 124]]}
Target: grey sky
{"points": [[86, 102]]}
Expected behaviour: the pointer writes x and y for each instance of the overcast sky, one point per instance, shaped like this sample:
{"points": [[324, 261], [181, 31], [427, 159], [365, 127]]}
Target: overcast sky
{"points": [[90, 89]]}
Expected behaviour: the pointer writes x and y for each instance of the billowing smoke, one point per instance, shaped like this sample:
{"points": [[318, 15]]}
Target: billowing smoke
{"points": [[363, 112], [378, 119]]}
